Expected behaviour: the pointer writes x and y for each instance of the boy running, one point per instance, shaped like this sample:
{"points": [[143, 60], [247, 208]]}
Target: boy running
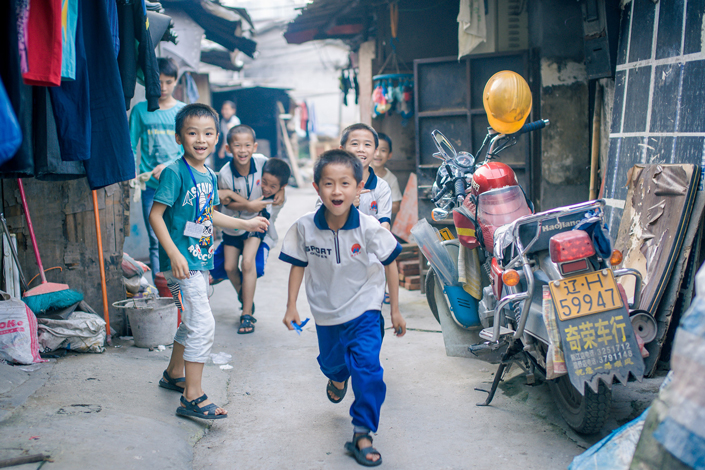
{"points": [[182, 218], [339, 249], [240, 186]]}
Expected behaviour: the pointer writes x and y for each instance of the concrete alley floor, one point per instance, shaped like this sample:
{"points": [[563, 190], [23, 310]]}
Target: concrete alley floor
{"points": [[106, 411]]}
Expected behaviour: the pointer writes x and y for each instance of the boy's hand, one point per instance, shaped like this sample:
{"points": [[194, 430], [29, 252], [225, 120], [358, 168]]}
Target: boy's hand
{"points": [[258, 205], [225, 200], [398, 323], [158, 170], [279, 198], [258, 224], [356, 202], [292, 315], [179, 266]]}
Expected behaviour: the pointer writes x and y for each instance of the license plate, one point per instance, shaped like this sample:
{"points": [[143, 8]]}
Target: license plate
{"points": [[585, 294]]}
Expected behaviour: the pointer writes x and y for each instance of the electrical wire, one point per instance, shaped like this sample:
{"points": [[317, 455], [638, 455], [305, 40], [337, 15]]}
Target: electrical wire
{"points": [[46, 270]]}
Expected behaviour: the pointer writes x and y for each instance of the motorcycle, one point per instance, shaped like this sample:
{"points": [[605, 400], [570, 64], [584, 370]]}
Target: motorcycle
{"points": [[536, 290]]}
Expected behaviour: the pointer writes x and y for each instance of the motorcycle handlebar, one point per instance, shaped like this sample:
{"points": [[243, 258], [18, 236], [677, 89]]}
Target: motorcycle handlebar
{"points": [[533, 126], [440, 194], [460, 187]]}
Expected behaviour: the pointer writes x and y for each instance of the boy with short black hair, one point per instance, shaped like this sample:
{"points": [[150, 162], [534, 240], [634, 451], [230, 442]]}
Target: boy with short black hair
{"points": [[383, 155], [229, 120], [375, 199], [153, 132], [182, 218], [240, 187], [344, 255]]}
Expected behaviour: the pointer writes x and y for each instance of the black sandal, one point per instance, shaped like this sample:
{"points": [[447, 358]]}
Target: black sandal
{"points": [[191, 409], [337, 392], [246, 321], [361, 454], [170, 383]]}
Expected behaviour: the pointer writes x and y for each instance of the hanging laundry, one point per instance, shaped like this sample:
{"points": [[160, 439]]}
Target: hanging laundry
{"points": [[10, 133], [19, 94], [191, 88], [44, 43], [472, 27], [139, 59], [22, 11], [71, 104], [111, 6], [111, 152], [48, 165], [69, 16]]}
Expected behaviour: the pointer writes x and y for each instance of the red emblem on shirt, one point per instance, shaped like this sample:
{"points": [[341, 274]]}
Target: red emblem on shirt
{"points": [[356, 249], [373, 206]]}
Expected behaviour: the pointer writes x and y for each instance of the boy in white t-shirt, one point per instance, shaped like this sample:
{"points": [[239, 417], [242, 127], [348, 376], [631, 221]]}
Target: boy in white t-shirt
{"points": [[345, 255], [383, 155]]}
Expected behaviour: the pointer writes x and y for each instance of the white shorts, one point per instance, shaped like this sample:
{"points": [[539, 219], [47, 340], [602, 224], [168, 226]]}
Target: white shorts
{"points": [[197, 330]]}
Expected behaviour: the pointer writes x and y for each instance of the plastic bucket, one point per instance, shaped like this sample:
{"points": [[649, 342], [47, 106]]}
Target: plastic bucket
{"points": [[153, 321]]}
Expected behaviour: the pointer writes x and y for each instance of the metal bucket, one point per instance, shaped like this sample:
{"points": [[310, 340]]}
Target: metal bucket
{"points": [[153, 321]]}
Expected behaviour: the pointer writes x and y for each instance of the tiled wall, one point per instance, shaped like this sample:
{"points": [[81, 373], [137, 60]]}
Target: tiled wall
{"points": [[659, 101]]}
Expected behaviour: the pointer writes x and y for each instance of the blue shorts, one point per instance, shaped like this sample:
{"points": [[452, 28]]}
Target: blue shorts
{"points": [[238, 242]]}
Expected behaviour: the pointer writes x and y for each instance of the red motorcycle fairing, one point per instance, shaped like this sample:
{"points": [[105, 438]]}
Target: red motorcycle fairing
{"points": [[465, 226], [497, 283]]}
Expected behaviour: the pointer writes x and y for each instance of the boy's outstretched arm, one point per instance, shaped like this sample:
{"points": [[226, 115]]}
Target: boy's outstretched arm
{"points": [[257, 224], [179, 265], [296, 275], [398, 321]]}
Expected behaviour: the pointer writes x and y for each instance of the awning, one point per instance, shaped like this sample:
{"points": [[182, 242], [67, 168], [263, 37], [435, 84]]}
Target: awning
{"points": [[331, 19], [221, 24]]}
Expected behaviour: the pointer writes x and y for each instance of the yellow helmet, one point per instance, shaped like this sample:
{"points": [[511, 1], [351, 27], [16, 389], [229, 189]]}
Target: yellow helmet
{"points": [[507, 101]]}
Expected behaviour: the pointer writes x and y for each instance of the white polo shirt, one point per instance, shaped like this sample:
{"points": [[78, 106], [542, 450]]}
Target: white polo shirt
{"points": [[344, 277], [248, 186], [378, 202]]}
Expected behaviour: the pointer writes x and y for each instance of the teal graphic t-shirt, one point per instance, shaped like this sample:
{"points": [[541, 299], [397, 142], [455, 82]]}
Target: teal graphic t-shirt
{"points": [[185, 203], [154, 133]]}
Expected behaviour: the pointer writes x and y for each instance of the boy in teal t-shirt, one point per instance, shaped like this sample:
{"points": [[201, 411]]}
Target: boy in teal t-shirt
{"points": [[153, 133], [182, 218]]}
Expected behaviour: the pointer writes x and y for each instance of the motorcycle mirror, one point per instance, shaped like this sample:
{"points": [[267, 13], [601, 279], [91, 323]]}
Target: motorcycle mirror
{"points": [[439, 156], [443, 145], [439, 214]]}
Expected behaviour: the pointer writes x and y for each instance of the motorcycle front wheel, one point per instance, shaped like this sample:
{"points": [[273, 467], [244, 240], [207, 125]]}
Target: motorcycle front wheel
{"points": [[587, 413]]}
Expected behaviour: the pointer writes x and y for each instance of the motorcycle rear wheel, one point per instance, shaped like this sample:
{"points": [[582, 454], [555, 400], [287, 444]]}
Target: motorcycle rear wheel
{"points": [[586, 414], [432, 296]]}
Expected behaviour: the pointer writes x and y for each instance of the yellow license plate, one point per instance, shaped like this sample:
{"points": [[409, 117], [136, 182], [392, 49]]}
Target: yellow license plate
{"points": [[586, 294]]}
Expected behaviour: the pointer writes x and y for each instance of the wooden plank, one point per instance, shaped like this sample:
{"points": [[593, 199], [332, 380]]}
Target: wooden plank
{"points": [[293, 159]]}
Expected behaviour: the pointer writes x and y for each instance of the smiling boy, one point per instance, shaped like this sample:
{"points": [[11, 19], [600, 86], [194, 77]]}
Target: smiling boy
{"points": [[240, 187], [375, 199], [345, 255], [182, 218]]}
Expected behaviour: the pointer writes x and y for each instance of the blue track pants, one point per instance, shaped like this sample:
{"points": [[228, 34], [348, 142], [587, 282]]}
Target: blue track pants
{"points": [[351, 350]]}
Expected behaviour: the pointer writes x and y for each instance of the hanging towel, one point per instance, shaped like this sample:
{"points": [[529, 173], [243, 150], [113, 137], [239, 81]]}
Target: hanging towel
{"points": [[44, 43], [472, 27], [191, 88], [69, 16]]}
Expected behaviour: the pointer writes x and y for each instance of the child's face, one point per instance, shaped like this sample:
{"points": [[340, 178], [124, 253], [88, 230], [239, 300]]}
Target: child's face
{"points": [[168, 83], [270, 185], [338, 188], [198, 136], [361, 142], [242, 146], [227, 111], [383, 154]]}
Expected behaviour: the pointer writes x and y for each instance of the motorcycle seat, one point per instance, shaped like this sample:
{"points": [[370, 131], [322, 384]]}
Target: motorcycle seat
{"points": [[504, 240]]}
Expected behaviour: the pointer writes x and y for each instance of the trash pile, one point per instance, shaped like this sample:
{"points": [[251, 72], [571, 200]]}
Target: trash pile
{"points": [[136, 284]]}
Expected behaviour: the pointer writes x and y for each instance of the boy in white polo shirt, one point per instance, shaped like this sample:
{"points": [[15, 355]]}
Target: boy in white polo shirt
{"points": [[347, 254], [240, 188]]}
